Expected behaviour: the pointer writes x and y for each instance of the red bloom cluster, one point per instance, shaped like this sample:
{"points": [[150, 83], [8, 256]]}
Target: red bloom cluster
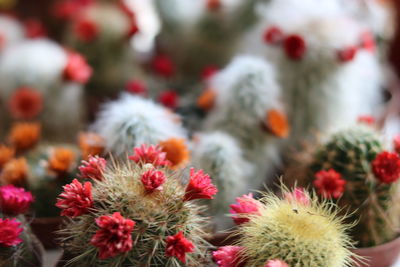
{"points": [[294, 46], [208, 72], [169, 99], [137, 87], [298, 196], [25, 103], [368, 42], [153, 180], [163, 66], [228, 256], [149, 154], [276, 263], [367, 119], [93, 168], [85, 30], [34, 28], [76, 199], [76, 69], [329, 183], [14, 200], [245, 205], [178, 246], [386, 167], [200, 186], [347, 54], [114, 236], [10, 229], [273, 35]]}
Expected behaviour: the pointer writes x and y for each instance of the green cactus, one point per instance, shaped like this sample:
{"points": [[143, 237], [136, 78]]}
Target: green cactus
{"points": [[350, 153], [300, 231]]}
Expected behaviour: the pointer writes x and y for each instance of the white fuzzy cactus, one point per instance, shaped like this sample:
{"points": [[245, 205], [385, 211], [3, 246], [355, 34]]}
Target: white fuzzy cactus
{"points": [[220, 156], [11, 31], [41, 65], [131, 121]]}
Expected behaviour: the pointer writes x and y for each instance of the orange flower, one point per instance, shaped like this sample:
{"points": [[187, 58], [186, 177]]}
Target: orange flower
{"points": [[61, 160], [177, 152], [206, 100], [6, 154], [25, 103], [91, 144], [15, 172], [24, 135], [276, 123]]}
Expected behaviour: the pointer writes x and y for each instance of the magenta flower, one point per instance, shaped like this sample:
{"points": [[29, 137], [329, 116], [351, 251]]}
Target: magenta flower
{"points": [[200, 186], [14, 200], [76, 199], [298, 196], [276, 263], [149, 154], [228, 256], [178, 246], [93, 168], [10, 230], [245, 205], [152, 180]]}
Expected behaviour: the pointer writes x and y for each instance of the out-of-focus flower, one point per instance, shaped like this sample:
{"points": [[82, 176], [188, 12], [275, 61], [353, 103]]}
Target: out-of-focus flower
{"points": [[6, 154], [273, 35], [329, 183], [93, 168], [177, 152], [10, 229], [347, 54], [163, 66], [15, 172], [61, 160], [91, 144], [25, 103], [14, 200], [149, 154], [24, 135], [386, 167], [228, 256], [294, 46], [137, 87], [77, 69], [169, 99]]}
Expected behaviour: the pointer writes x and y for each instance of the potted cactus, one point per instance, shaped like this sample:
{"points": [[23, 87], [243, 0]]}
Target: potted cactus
{"points": [[18, 245], [354, 169], [296, 230], [135, 212]]}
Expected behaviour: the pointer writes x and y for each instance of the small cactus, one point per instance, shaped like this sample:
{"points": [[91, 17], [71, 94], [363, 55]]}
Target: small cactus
{"points": [[160, 222], [362, 176], [297, 230]]}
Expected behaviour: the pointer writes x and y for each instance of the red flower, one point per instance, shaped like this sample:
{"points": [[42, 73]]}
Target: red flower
{"points": [[153, 180], [208, 72], [347, 54], [329, 183], [298, 196], [77, 69], [276, 263], [34, 28], [367, 119], [65, 9], [169, 99], [396, 144], [137, 87], [10, 229], [178, 246], [114, 236], [386, 167], [149, 154], [25, 103], [228, 256], [93, 168], [86, 30], [199, 186], [214, 4], [294, 46], [76, 199], [245, 205], [14, 200], [273, 35], [368, 42], [133, 29], [163, 66]]}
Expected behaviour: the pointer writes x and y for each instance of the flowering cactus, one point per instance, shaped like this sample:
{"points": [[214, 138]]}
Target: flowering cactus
{"points": [[42, 81], [293, 232], [131, 121], [353, 167], [139, 212]]}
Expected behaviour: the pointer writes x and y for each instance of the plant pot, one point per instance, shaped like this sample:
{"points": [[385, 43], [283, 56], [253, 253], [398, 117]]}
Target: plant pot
{"points": [[384, 255], [45, 229]]}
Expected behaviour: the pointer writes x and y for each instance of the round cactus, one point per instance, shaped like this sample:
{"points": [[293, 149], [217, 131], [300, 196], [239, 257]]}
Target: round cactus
{"points": [[158, 221], [297, 229]]}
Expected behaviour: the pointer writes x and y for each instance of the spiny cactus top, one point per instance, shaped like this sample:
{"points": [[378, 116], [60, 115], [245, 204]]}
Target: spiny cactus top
{"points": [[12, 31], [297, 230], [135, 213], [354, 168]]}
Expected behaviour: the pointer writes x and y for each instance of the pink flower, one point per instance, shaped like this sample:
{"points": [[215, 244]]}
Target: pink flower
{"points": [[396, 143], [386, 167], [273, 35], [114, 236], [163, 66], [93, 168], [199, 187], [276, 263], [208, 72], [77, 70], [178, 246], [149, 154], [245, 205], [169, 99], [76, 199], [298, 196], [329, 183], [228, 256], [14, 200], [137, 87], [152, 180], [347, 54], [294, 46], [86, 30], [368, 42], [367, 119], [10, 229]]}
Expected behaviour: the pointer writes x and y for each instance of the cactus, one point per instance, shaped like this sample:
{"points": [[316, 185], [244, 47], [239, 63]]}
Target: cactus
{"points": [[350, 155], [298, 230], [12, 31], [131, 121], [148, 196]]}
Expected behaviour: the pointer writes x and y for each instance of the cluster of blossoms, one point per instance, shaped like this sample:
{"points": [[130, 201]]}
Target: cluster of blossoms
{"points": [[114, 234], [14, 201]]}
